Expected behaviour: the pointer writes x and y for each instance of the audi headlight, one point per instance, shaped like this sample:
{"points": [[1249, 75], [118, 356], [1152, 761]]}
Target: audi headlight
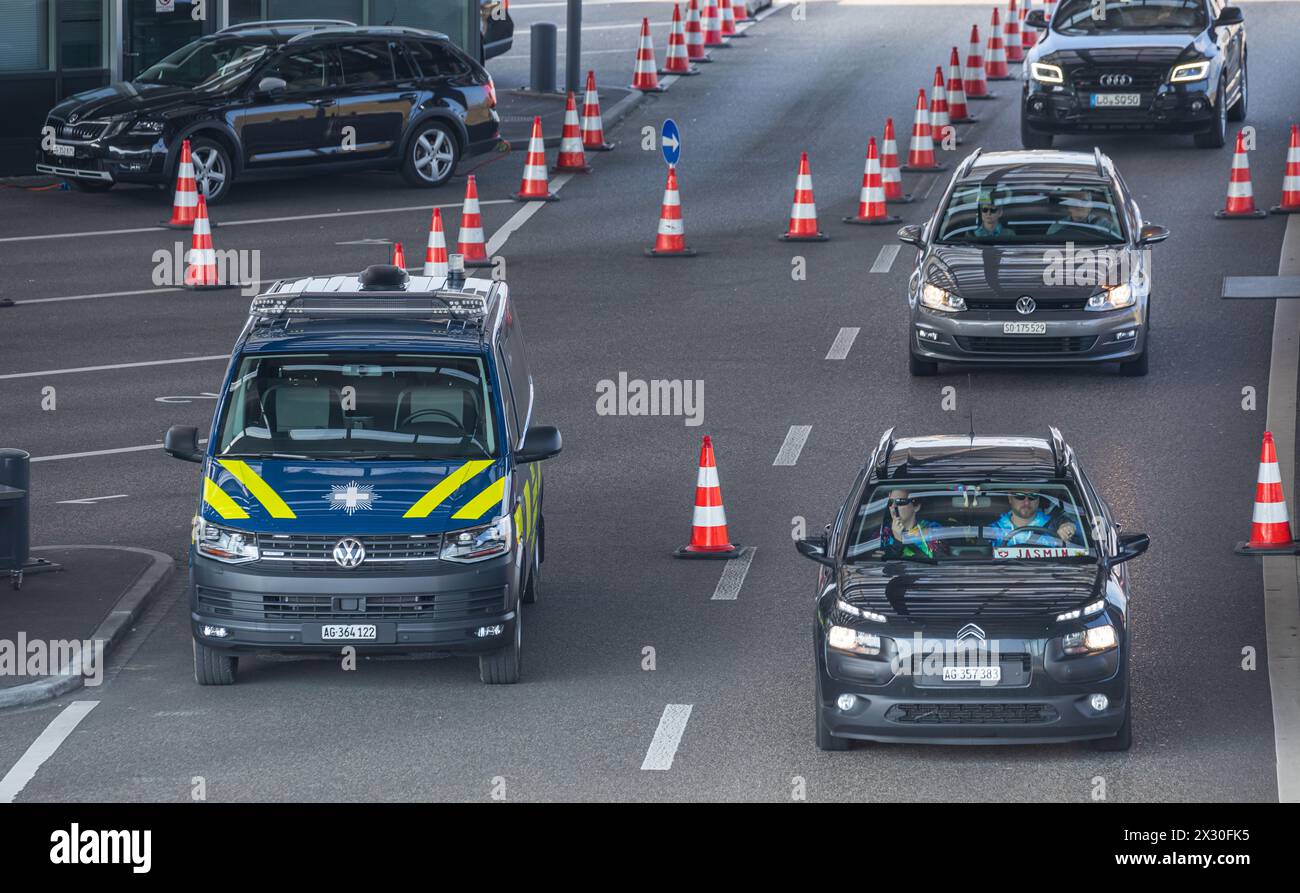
{"points": [[146, 127], [936, 298], [1091, 641], [225, 543], [842, 638], [478, 543], [1192, 71], [1046, 74]]}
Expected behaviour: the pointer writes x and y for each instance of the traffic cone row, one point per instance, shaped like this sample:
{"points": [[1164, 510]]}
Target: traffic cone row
{"points": [[435, 254], [974, 83], [920, 152], [645, 75], [890, 173], [940, 125], [958, 113], [695, 51], [995, 64], [1291, 177], [671, 238], [677, 61], [1241, 198], [1011, 34], [713, 26], [709, 537], [871, 203], [740, 9], [1270, 528], [470, 244], [727, 19], [593, 128], [803, 212], [571, 158], [534, 186]]}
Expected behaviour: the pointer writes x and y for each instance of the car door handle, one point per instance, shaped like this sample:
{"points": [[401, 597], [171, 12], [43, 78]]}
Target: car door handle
{"points": [[321, 103]]}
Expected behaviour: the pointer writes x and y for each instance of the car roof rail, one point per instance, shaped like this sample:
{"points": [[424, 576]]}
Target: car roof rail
{"points": [[1062, 455], [880, 458], [969, 162], [287, 23], [383, 30], [1100, 159]]}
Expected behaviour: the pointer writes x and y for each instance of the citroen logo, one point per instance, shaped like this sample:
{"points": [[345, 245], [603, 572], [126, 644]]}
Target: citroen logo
{"points": [[1025, 305], [1116, 80], [970, 631], [350, 553]]}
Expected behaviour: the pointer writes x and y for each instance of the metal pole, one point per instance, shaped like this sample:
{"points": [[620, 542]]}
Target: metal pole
{"points": [[542, 76], [573, 48]]}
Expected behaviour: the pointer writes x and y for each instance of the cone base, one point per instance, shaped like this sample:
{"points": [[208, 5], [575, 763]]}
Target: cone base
{"points": [[1272, 549], [969, 119], [873, 221], [657, 88], [602, 147], [905, 199], [692, 70], [724, 45], [938, 166], [214, 287], [706, 59], [549, 197], [556, 169], [731, 550], [1003, 77], [982, 98], [1279, 209], [190, 225], [1246, 215], [684, 252], [804, 237]]}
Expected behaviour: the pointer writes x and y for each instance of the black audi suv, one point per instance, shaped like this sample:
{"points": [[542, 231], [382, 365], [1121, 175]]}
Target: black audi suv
{"points": [[1032, 259], [973, 591], [266, 98], [1171, 65]]}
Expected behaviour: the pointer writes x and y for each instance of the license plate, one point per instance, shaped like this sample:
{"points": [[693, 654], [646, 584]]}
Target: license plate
{"points": [[972, 674], [1116, 100], [333, 632], [1024, 328], [64, 151]]}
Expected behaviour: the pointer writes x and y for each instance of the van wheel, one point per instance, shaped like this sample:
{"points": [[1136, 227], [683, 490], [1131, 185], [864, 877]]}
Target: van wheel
{"points": [[502, 667], [88, 185], [1123, 740], [213, 170], [213, 667], [921, 368], [431, 156], [1033, 139]]}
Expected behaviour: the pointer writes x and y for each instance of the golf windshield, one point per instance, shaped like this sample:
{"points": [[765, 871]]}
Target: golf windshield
{"points": [[361, 406], [1031, 214], [1014, 521], [209, 65], [1112, 16]]}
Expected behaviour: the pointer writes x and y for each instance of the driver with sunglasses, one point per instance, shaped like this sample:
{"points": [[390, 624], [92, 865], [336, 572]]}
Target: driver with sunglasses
{"points": [[1025, 512], [988, 221], [903, 534]]}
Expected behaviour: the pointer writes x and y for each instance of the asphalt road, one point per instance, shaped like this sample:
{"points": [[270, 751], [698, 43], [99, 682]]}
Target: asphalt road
{"points": [[1174, 453]]}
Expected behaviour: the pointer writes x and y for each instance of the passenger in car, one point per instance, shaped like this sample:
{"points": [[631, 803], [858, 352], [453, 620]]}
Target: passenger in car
{"points": [[903, 534], [1026, 512], [1081, 214]]}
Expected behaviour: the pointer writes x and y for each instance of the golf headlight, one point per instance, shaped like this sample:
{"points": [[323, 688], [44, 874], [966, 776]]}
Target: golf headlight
{"points": [[936, 298], [478, 543], [146, 127], [1046, 74], [225, 544], [1091, 641], [841, 638], [1192, 71], [1116, 297]]}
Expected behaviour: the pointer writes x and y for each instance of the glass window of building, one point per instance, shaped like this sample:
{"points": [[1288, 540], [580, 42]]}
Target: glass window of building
{"points": [[24, 35], [81, 33]]}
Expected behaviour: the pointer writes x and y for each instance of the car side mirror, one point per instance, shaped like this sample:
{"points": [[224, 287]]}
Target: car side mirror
{"points": [[1231, 15], [1035, 18], [1152, 233], [269, 86], [182, 442], [911, 235], [541, 442], [814, 547], [1131, 545]]}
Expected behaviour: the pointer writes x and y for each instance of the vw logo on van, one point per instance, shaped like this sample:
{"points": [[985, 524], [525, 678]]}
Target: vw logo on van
{"points": [[349, 552], [1116, 80], [1025, 305]]}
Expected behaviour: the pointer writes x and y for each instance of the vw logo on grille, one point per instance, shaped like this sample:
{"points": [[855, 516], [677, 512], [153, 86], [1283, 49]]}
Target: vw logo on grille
{"points": [[349, 552], [1116, 80], [970, 631], [1025, 305]]}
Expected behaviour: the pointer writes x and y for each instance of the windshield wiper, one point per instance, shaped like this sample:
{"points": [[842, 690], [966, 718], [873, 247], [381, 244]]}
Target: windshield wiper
{"points": [[268, 455]]}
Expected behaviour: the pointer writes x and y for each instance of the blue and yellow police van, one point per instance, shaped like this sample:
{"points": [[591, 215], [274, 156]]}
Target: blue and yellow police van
{"points": [[372, 476]]}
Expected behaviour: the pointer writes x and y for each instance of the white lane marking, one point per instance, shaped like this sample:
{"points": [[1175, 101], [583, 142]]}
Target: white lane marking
{"points": [[733, 576], [933, 180], [46, 372], [102, 294], [885, 259], [795, 438], [1282, 573], [224, 223], [521, 216], [131, 449], [90, 500], [43, 748], [663, 747], [843, 343]]}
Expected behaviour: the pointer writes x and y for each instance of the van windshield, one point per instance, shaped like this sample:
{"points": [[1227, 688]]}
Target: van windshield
{"points": [[358, 406]]}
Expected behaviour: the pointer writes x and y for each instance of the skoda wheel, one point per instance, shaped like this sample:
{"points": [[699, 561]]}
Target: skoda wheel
{"points": [[431, 156], [213, 171]]}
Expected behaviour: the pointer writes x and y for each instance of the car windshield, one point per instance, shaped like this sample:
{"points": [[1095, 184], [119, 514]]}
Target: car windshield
{"points": [[1094, 17], [364, 405], [982, 521], [1031, 214], [209, 65]]}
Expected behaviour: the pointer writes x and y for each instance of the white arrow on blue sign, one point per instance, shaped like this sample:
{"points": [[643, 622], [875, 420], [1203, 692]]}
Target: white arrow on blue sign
{"points": [[670, 142]]}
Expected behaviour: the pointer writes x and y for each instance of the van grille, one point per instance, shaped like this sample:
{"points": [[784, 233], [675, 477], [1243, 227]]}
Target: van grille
{"points": [[439, 607], [313, 554]]}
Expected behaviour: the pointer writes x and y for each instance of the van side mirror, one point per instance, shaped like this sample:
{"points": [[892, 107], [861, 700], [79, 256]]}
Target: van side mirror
{"points": [[541, 442], [815, 547], [1035, 18], [1130, 546], [268, 86], [1231, 15], [1152, 233], [182, 442], [911, 235]]}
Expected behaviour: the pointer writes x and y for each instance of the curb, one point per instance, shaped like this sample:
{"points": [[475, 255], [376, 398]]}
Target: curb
{"points": [[111, 630]]}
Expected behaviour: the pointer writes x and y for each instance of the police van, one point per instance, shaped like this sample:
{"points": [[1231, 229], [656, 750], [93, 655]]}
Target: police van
{"points": [[372, 476]]}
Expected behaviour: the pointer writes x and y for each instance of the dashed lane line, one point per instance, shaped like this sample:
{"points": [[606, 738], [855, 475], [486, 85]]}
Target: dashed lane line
{"points": [[663, 747], [733, 576], [44, 747], [885, 259], [843, 343], [48, 372], [795, 438]]}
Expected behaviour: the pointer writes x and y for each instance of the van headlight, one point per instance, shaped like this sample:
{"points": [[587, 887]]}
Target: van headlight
{"points": [[936, 298], [225, 543], [1192, 71], [478, 543], [1046, 74], [1093, 640]]}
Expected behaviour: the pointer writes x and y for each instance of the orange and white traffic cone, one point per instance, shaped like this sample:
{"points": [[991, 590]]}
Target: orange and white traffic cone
{"points": [[940, 124], [185, 202], [593, 128], [803, 212], [201, 261], [995, 60], [677, 61], [469, 243], [713, 26], [920, 152], [974, 83], [571, 160], [889, 171], [1291, 177], [644, 75], [399, 257], [534, 187], [1051, 8], [1270, 528], [435, 253], [709, 538], [1241, 198], [871, 202], [670, 241], [727, 14], [695, 51], [1011, 34], [958, 112], [1028, 36], [740, 10]]}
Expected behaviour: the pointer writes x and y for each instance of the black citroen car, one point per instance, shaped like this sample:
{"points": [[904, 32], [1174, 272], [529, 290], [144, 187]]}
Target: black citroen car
{"points": [[266, 98], [1171, 65], [973, 591], [1033, 259]]}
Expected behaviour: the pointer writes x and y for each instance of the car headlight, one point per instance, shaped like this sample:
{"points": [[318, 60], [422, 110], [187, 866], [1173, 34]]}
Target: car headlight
{"points": [[1117, 297], [854, 611], [225, 543], [478, 543], [146, 127], [1046, 74], [842, 638], [1091, 641], [936, 298], [1086, 611], [1192, 71]]}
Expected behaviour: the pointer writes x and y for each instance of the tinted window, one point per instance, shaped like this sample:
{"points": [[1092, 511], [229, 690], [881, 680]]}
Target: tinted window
{"points": [[406, 69], [303, 70], [435, 60], [1031, 213], [207, 64], [366, 63], [1092, 17]]}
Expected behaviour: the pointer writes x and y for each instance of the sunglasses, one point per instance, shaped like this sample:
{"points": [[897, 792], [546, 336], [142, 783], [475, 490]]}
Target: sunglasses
{"points": [[1021, 497], [899, 503], [990, 210]]}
